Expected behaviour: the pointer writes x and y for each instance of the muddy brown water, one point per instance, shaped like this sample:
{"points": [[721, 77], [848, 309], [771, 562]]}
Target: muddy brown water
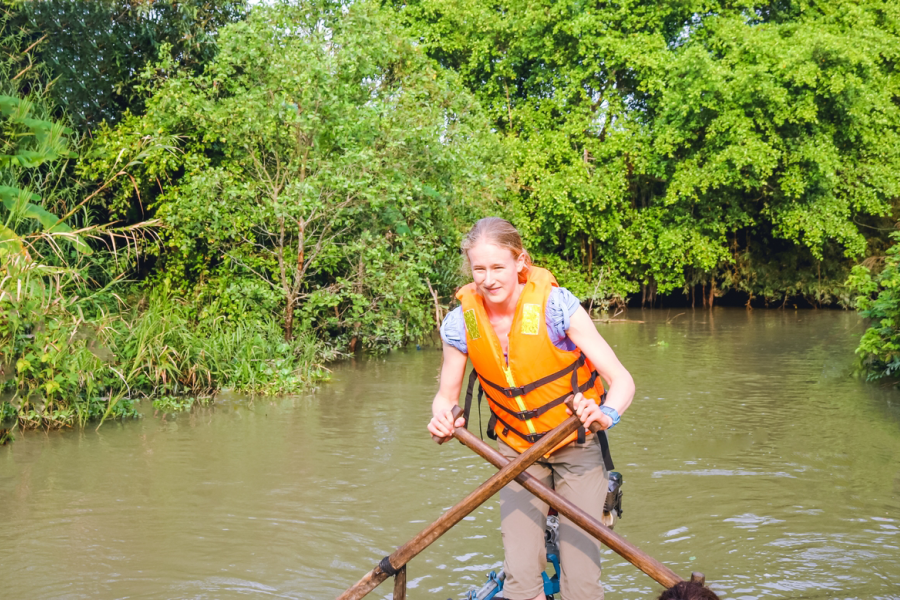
{"points": [[749, 454]]}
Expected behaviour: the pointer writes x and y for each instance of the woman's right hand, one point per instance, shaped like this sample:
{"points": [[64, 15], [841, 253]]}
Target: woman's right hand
{"points": [[452, 371], [442, 424]]}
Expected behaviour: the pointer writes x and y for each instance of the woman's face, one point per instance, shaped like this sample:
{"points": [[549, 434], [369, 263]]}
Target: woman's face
{"points": [[496, 271]]}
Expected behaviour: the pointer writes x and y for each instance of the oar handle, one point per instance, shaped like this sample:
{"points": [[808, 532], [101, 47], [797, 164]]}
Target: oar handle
{"points": [[457, 412], [570, 404]]}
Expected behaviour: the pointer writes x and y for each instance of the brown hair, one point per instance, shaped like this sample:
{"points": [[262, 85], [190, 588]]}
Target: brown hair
{"points": [[499, 232], [688, 590]]}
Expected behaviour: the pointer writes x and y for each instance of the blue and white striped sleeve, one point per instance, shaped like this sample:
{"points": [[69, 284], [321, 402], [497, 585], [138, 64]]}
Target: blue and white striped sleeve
{"points": [[453, 330]]}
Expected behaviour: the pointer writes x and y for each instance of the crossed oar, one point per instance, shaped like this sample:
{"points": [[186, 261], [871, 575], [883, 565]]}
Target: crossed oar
{"points": [[395, 564]]}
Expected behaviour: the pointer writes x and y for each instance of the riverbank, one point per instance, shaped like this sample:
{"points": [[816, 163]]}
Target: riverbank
{"points": [[164, 352], [64, 370]]}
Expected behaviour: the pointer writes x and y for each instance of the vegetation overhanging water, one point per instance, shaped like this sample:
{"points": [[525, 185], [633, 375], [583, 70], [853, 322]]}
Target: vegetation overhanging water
{"points": [[217, 195]]}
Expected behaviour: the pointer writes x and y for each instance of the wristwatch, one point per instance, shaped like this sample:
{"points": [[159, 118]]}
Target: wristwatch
{"points": [[612, 413]]}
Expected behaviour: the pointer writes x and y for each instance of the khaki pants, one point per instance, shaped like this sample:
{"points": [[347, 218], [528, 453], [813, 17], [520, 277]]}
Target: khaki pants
{"points": [[577, 473]]}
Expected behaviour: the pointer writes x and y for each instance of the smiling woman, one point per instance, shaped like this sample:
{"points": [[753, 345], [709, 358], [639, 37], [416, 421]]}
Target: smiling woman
{"points": [[528, 365]]}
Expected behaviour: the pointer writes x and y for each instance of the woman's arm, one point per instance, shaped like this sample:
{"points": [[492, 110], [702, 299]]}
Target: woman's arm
{"points": [[584, 334], [452, 371]]}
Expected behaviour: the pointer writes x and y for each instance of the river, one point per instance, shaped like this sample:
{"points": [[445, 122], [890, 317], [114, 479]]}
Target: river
{"points": [[749, 454]]}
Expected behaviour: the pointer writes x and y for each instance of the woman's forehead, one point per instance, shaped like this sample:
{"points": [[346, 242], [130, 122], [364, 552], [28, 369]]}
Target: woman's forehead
{"points": [[487, 252]]}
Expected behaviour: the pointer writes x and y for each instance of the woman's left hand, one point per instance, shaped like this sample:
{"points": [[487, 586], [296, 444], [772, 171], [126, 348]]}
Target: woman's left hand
{"points": [[589, 412]]}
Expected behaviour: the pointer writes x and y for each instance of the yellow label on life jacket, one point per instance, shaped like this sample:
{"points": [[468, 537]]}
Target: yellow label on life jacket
{"points": [[531, 319], [471, 324]]}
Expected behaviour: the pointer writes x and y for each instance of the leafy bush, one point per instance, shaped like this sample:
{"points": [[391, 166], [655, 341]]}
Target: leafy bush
{"points": [[163, 351], [50, 374], [879, 301], [341, 188]]}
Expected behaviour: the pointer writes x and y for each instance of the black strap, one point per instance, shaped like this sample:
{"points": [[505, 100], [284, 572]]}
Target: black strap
{"points": [[470, 389], [575, 389], [604, 450], [480, 396], [387, 568], [604, 442], [530, 387], [507, 429], [534, 413], [473, 376]]}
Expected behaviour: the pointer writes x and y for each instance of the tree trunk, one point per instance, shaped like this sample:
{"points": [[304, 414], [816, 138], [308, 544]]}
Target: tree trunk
{"points": [[289, 321], [712, 292], [355, 339], [591, 259]]}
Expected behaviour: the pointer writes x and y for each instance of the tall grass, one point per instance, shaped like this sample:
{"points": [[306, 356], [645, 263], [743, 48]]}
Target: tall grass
{"points": [[68, 371], [164, 350]]}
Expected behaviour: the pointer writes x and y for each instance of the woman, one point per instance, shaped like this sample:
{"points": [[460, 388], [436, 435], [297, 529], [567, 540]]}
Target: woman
{"points": [[531, 343]]}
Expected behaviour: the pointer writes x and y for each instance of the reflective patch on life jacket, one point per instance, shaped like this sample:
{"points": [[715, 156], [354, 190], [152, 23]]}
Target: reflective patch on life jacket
{"points": [[531, 319], [471, 324]]}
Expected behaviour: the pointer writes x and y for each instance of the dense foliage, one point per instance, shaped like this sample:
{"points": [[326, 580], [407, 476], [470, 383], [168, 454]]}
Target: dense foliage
{"points": [[671, 143], [87, 55], [331, 195], [210, 194], [879, 301]]}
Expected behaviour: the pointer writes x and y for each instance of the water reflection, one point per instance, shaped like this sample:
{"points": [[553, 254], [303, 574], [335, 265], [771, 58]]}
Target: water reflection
{"points": [[749, 454]]}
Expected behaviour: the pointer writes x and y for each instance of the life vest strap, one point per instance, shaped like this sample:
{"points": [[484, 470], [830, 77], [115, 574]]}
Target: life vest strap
{"points": [[534, 413], [531, 438], [512, 392]]}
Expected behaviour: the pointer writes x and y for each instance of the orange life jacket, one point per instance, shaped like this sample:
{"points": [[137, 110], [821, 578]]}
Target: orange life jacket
{"points": [[527, 391]]}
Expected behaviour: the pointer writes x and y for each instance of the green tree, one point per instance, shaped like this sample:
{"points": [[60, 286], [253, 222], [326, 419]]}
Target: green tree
{"points": [[323, 156], [672, 143], [878, 300], [87, 54]]}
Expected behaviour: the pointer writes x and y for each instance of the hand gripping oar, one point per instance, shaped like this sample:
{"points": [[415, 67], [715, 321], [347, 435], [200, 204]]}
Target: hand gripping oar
{"points": [[646, 563], [392, 564]]}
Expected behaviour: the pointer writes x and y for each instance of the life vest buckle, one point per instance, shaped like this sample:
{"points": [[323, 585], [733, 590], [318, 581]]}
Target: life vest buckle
{"points": [[527, 415], [513, 392], [532, 438]]}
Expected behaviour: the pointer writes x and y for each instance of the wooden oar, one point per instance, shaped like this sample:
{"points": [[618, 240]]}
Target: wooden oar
{"points": [[510, 471], [646, 563]]}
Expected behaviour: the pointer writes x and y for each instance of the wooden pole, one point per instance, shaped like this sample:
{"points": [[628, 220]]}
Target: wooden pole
{"points": [[408, 551], [646, 563], [400, 584]]}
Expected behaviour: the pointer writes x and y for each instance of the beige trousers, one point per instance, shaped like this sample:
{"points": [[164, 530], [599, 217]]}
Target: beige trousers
{"points": [[578, 474]]}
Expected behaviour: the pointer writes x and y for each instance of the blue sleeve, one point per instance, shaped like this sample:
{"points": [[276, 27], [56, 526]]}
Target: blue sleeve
{"points": [[453, 330], [561, 305]]}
